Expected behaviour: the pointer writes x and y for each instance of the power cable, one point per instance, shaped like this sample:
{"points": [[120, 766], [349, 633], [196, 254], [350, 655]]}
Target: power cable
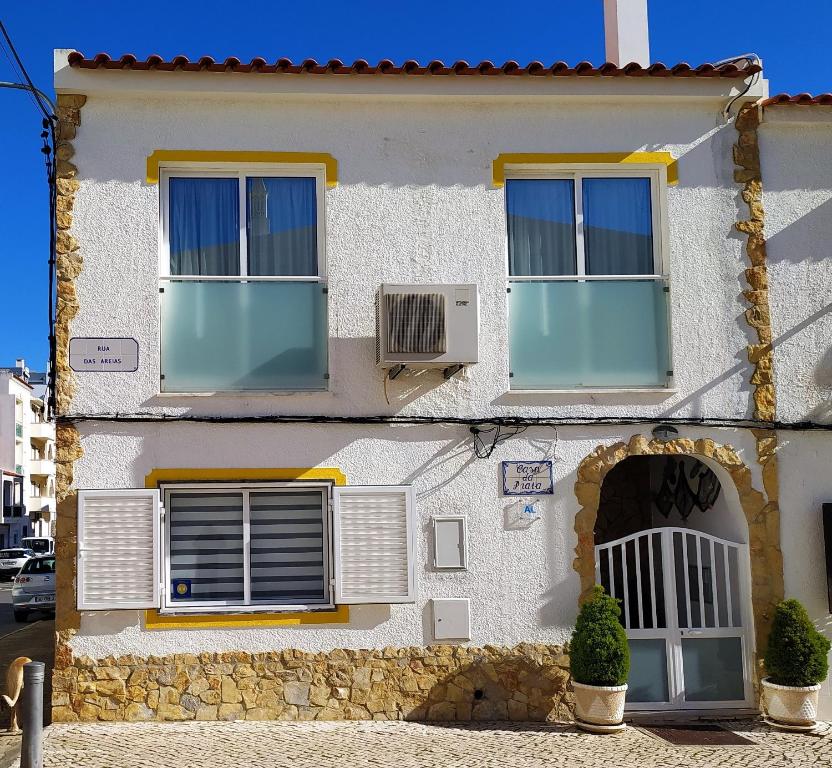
{"points": [[482, 422], [35, 92], [49, 139]]}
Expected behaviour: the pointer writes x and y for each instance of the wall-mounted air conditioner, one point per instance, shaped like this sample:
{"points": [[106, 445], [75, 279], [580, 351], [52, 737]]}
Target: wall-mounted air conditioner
{"points": [[427, 326]]}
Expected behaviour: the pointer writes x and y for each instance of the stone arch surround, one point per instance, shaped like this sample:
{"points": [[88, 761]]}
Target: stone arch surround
{"points": [[762, 515]]}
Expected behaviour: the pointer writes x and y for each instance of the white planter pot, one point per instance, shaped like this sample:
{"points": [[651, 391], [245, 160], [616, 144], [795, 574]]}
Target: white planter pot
{"points": [[791, 705], [599, 705]]}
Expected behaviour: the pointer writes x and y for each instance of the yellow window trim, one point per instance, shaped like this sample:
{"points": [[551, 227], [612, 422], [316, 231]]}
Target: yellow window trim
{"points": [[228, 474], [575, 158], [159, 156], [155, 620]]}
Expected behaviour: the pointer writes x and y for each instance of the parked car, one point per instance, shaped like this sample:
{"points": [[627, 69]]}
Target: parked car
{"points": [[34, 587], [12, 560], [41, 545]]}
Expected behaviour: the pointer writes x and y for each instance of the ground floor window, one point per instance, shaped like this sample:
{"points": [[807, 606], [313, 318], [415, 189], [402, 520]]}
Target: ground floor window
{"points": [[240, 546], [245, 547]]}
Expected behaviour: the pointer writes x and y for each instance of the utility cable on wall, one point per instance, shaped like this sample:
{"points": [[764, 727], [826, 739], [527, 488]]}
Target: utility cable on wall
{"points": [[480, 422]]}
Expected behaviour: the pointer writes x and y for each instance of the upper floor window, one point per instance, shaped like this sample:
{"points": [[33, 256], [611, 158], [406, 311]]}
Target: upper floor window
{"points": [[279, 239], [242, 271], [587, 288]]}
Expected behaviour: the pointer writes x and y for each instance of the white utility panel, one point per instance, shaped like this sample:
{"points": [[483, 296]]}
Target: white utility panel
{"points": [[450, 544], [451, 618]]}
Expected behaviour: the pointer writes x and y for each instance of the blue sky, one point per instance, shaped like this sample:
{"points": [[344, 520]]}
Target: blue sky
{"points": [[792, 38]]}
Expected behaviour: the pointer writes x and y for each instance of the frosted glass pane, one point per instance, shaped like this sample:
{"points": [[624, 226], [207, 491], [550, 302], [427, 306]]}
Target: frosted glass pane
{"points": [[713, 669], [228, 336], [603, 333], [648, 671]]}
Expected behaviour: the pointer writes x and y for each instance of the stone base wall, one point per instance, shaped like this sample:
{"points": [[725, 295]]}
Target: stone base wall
{"points": [[524, 683]]}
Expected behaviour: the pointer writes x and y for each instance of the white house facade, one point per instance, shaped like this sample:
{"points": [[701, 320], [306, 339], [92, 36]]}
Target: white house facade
{"points": [[366, 374]]}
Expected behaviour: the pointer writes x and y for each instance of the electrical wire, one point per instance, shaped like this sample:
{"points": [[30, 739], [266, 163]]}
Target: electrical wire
{"points": [[48, 136], [34, 91], [486, 421], [750, 58], [484, 451]]}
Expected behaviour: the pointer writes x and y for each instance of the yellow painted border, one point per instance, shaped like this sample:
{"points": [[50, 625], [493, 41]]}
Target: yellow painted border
{"points": [[574, 158], [155, 620], [159, 156], [228, 474]]}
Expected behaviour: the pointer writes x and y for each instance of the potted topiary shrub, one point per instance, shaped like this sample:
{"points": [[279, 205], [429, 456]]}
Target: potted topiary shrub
{"points": [[796, 664], [599, 659]]}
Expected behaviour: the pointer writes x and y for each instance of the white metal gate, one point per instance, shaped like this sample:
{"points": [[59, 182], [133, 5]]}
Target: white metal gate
{"points": [[685, 610]]}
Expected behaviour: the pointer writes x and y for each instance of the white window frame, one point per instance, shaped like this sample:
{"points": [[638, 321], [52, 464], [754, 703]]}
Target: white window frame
{"points": [[576, 173], [657, 173], [226, 606], [241, 171]]}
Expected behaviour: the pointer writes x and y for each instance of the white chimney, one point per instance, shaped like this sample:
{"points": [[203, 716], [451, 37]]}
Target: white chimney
{"points": [[625, 32]]}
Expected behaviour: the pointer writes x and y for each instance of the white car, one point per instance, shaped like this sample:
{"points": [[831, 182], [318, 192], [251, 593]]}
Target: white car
{"points": [[34, 587], [12, 560]]}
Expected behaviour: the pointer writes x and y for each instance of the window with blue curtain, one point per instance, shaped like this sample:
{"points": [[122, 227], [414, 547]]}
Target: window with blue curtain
{"points": [[541, 226], [568, 330], [204, 226], [282, 226], [618, 226]]}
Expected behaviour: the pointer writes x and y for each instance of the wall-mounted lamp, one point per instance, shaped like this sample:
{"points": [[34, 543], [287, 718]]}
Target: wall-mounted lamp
{"points": [[664, 432]]}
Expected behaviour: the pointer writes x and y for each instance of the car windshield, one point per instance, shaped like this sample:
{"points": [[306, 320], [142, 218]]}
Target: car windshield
{"points": [[39, 565], [15, 553]]}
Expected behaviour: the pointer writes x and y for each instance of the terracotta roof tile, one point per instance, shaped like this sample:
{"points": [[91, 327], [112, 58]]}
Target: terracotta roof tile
{"points": [[409, 67], [800, 99]]}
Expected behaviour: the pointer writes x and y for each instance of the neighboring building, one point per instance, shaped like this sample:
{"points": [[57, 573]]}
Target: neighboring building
{"points": [[257, 520], [27, 456]]}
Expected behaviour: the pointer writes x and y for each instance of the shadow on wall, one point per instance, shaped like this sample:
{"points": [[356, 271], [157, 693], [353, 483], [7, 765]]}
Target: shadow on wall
{"points": [[527, 683], [401, 143], [366, 395], [812, 231]]}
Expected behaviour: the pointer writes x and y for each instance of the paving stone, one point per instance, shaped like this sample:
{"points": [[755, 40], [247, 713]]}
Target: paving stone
{"points": [[397, 744]]}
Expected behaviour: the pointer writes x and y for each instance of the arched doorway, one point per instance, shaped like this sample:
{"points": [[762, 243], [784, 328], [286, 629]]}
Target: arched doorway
{"points": [[673, 548]]}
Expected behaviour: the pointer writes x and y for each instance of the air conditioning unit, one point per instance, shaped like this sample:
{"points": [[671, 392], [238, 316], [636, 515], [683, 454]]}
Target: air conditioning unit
{"points": [[427, 326]]}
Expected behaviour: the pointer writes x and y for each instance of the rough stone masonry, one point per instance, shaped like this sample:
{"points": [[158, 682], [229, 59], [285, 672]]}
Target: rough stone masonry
{"points": [[443, 682]]}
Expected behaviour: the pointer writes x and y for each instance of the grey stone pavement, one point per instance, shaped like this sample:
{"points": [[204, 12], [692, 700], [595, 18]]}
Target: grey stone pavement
{"points": [[380, 744]]}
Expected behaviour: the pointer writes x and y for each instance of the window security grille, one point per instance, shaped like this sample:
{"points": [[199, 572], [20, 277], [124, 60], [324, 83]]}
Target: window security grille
{"points": [[416, 323]]}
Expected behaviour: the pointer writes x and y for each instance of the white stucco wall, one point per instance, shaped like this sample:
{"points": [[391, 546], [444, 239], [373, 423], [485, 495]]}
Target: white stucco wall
{"points": [[521, 583], [414, 203], [797, 196], [797, 182], [805, 460]]}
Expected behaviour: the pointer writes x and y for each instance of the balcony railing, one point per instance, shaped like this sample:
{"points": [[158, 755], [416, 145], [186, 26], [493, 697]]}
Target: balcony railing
{"points": [[41, 467], [243, 334], [42, 430], [589, 332]]}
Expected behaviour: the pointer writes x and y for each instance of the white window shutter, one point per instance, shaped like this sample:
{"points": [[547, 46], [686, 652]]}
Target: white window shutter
{"points": [[373, 526], [118, 549]]}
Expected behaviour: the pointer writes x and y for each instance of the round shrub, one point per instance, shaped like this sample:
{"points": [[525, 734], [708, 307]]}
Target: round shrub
{"points": [[598, 653], [796, 653]]}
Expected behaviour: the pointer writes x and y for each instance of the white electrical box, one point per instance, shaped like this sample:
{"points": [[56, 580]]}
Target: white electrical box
{"points": [[451, 618], [450, 545]]}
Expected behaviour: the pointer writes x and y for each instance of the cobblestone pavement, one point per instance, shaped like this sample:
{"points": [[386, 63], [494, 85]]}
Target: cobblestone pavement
{"points": [[408, 745]]}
